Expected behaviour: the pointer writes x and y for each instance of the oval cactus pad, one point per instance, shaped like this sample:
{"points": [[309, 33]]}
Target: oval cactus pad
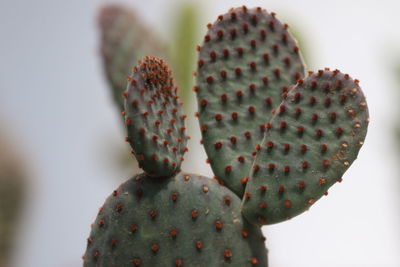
{"points": [[312, 139], [156, 129], [246, 63], [187, 220]]}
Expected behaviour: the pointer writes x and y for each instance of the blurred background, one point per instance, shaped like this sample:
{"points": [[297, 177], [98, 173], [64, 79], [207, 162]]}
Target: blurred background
{"points": [[62, 148]]}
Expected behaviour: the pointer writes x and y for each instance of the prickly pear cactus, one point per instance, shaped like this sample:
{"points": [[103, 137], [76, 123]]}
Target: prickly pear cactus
{"points": [[246, 64], [165, 217], [276, 139], [186, 220], [124, 40]]}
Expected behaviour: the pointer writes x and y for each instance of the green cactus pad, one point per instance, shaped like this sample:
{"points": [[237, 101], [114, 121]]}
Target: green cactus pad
{"points": [[124, 40], [156, 129], [245, 66], [187, 220], [313, 138]]}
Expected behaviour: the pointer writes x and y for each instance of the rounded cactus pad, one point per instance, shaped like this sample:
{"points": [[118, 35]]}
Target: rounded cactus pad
{"points": [[124, 40], [156, 129], [187, 220], [312, 139], [246, 64]]}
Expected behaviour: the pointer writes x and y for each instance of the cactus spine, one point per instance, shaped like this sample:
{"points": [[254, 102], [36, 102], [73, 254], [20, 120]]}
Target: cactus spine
{"points": [[276, 140]]}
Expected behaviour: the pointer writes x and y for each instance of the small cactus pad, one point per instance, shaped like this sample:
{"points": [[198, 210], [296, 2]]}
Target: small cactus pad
{"points": [[156, 129], [245, 66], [187, 220], [123, 41], [311, 141]]}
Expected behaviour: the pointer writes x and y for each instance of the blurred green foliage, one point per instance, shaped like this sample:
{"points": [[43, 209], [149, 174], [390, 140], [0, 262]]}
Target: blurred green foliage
{"points": [[182, 47], [13, 187], [397, 127]]}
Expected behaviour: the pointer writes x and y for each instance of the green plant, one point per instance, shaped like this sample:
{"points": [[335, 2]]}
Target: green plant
{"points": [[124, 40], [166, 215], [276, 140]]}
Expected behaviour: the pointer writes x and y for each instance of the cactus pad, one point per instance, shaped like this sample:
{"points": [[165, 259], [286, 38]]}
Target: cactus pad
{"points": [[123, 41], [245, 66], [187, 220], [314, 136], [156, 129]]}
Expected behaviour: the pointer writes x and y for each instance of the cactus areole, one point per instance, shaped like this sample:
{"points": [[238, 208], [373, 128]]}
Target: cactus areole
{"points": [[276, 138]]}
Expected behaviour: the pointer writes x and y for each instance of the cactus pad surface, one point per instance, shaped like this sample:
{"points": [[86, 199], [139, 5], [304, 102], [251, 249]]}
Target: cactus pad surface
{"points": [[313, 138], [246, 64], [156, 129], [186, 220]]}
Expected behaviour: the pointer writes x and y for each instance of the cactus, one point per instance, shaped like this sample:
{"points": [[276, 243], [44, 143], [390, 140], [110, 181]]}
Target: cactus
{"points": [[248, 65], [156, 129], [124, 40], [276, 140], [165, 217]]}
